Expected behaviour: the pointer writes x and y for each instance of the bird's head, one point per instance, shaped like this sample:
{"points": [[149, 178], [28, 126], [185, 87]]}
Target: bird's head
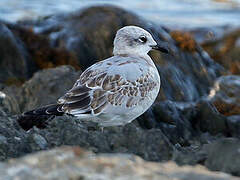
{"points": [[133, 40]]}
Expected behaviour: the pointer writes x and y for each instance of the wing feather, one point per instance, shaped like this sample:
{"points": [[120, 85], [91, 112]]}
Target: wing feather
{"points": [[96, 88]]}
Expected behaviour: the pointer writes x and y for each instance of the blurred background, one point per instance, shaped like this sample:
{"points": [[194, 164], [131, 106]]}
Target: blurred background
{"points": [[173, 13]]}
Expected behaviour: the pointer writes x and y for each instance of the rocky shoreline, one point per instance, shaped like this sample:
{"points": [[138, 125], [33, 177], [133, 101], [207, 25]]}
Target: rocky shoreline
{"points": [[195, 120]]}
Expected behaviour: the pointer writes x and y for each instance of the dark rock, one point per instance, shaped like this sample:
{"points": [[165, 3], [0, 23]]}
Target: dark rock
{"points": [[225, 95], [173, 121], [233, 123], [14, 62], [182, 122], [223, 155], [89, 35], [190, 155], [44, 88], [208, 119], [75, 163], [194, 153], [149, 144]]}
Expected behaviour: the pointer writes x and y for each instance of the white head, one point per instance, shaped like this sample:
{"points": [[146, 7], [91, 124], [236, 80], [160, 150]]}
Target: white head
{"points": [[135, 41]]}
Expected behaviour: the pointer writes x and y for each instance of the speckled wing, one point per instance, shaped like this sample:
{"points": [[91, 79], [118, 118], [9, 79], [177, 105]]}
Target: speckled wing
{"points": [[117, 81]]}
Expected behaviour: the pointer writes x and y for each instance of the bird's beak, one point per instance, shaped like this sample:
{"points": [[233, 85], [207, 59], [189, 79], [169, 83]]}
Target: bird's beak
{"points": [[161, 47]]}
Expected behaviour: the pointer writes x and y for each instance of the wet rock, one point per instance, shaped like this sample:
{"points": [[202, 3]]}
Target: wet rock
{"points": [[223, 155], [75, 163], [225, 95], [209, 34], [40, 51], [226, 50], [89, 34], [208, 119], [171, 118], [182, 122], [233, 123], [44, 88], [14, 62]]}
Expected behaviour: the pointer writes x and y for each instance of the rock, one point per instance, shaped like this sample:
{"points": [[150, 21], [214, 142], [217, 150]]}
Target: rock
{"points": [[12, 137], [225, 50], [40, 51], [225, 95], [223, 155], [170, 118], [44, 88], [2, 109], [37, 142], [207, 119], [89, 33], [8, 104], [22, 52], [233, 123], [76, 163], [181, 122], [14, 62], [149, 144], [190, 155]]}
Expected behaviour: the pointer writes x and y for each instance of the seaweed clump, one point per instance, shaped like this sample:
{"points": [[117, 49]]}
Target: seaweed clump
{"points": [[41, 51], [225, 51], [227, 109], [184, 40]]}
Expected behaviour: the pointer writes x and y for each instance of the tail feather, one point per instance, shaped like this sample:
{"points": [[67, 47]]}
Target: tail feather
{"points": [[39, 117]]}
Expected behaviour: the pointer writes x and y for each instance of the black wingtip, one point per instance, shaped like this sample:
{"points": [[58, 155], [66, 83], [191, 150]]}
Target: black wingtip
{"points": [[28, 121], [39, 117]]}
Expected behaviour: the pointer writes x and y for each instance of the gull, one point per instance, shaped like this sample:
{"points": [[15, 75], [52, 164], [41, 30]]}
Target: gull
{"points": [[111, 92]]}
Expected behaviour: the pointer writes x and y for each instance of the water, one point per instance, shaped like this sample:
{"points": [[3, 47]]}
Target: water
{"points": [[172, 13]]}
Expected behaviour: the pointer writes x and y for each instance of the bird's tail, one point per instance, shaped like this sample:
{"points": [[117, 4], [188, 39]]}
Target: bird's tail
{"points": [[39, 117]]}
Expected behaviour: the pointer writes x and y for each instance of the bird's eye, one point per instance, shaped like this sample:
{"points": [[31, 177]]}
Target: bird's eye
{"points": [[143, 39]]}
